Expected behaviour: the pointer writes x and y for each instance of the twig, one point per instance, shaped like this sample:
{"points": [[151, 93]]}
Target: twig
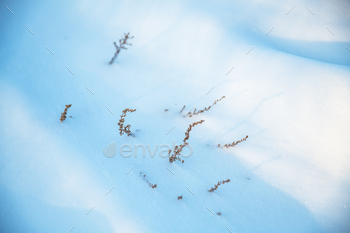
{"points": [[234, 143], [218, 184], [205, 109], [64, 113], [122, 43], [178, 149]]}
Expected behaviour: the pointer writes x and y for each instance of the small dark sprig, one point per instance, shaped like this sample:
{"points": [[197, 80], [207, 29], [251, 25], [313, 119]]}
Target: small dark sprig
{"points": [[150, 185], [218, 184], [122, 43], [234, 143], [195, 112], [64, 113]]}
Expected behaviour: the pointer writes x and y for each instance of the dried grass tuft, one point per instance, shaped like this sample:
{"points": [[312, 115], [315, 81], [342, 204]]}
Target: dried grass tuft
{"points": [[178, 149], [122, 43], [64, 113], [234, 143], [218, 184], [195, 112], [125, 129]]}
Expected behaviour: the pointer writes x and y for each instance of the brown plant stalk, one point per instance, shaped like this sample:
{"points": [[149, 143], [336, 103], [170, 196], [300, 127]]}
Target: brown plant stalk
{"points": [[190, 114], [150, 185], [183, 108], [178, 149], [64, 113], [218, 184], [234, 143], [125, 129], [122, 43]]}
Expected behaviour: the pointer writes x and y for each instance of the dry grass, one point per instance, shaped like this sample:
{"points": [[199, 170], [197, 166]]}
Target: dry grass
{"points": [[150, 185], [64, 113], [178, 149], [234, 143], [218, 184], [122, 43], [183, 108], [125, 129], [179, 197], [195, 112]]}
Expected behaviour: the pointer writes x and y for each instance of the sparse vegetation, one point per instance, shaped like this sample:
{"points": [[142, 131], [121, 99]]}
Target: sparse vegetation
{"points": [[125, 129], [179, 197], [234, 143], [218, 184], [64, 113], [150, 185], [183, 108], [122, 43], [178, 149], [195, 112]]}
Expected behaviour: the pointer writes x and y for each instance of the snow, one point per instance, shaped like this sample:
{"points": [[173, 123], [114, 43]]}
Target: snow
{"points": [[290, 94]]}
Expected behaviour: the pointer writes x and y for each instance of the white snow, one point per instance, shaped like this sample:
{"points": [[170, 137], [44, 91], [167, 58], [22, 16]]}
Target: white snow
{"points": [[290, 94]]}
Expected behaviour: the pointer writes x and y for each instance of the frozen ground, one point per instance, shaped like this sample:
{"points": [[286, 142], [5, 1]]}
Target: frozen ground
{"points": [[290, 94]]}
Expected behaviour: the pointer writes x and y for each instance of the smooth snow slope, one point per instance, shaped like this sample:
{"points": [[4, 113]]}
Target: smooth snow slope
{"points": [[290, 94]]}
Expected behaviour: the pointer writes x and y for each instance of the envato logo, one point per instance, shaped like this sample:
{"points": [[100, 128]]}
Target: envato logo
{"points": [[127, 150]]}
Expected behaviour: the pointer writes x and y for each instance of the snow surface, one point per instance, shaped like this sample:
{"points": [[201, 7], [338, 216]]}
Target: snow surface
{"points": [[290, 94]]}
